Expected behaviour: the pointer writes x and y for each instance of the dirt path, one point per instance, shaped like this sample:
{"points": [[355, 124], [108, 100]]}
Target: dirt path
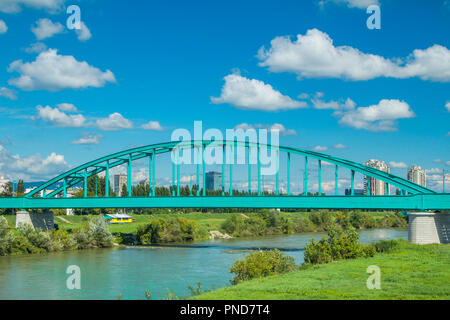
{"points": [[64, 220]]}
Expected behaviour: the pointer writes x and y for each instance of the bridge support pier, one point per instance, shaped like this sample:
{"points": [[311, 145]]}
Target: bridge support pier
{"points": [[44, 221], [428, 227]]}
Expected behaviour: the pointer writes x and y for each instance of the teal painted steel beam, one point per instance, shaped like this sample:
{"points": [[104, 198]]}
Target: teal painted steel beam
{"points": [[198, 170], [150, 175], [336, 180], [129, 162], [203, 170], [65, 188], [436, 201], [249, 173], [277, 174], [13, 189], [107, 179], [154, 173], [96, 187], [258, 160], [178, 173], [320, 177], [173, 179], [231, 168], [223, 169], [289, 173], [305, 178], [85, 183], [353, 182]]}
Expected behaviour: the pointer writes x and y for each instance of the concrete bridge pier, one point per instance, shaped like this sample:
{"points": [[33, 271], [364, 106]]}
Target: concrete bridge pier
{"points": [[43, 221], [428, 227]]}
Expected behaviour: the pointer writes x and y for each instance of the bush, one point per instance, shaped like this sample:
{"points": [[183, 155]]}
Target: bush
{"points": [[303, 224], [6, 237], [168, 230], [386, 246], [261, 264], [339, 245], [93, 234]]}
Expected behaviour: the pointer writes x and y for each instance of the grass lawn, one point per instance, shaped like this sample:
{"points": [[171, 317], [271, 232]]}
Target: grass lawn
{"points": [[411, 272]]}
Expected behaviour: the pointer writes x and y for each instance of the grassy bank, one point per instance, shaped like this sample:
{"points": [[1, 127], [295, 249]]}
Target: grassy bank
{"points": [[410, 272]]}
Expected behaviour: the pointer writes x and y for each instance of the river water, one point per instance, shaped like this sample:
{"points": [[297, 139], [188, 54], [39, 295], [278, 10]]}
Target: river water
{"points": [[129, 272]]}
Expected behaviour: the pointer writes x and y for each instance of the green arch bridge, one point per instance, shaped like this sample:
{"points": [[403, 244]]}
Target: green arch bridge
{"points": [[413, 196]]}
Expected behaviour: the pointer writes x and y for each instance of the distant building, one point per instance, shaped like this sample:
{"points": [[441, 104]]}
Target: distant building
{"points": [[119, 181], [358, 192], [377, 187], [417, 175], [213, 180], [3, 185]]}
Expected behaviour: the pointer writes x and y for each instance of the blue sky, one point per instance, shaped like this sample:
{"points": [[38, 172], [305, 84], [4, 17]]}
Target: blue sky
{"points": [[167, 64]]}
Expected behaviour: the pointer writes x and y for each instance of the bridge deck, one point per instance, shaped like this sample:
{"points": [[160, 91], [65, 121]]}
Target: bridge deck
{"points": [[410, 202]]}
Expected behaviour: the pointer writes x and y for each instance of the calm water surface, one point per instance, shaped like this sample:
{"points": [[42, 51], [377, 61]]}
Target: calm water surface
{"points": [[108, 273]]}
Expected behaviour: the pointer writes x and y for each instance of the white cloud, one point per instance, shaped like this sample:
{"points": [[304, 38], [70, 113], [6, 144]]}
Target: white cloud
{"points": [[252, 94], [320, 148], [67, 107], [433, 171], [7, 93], [315, 56], [274, 127], [437, 160], [340, 146], [334, 105], [37, 47], [14, 6], [53, 72], [152, 125], [447, 106], [114, 122], [31, 168], [88, 138], [84, 33], [379, 117], [360, 4], [3, 27], [399, 165], [59, 118], [45, 28]]}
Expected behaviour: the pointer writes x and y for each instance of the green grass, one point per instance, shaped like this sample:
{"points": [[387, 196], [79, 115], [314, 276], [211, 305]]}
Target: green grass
{"points": [[411, 272]]}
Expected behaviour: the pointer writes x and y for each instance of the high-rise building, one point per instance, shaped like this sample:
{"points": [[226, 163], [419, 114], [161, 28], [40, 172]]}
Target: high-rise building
{"points": [[377, 187], [417, 175], [119, 181], [3, 184], [213, 180]]}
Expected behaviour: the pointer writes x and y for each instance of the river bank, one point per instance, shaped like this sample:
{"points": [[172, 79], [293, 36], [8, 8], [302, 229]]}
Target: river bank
{"points": [[410, 272], [129, 272]]}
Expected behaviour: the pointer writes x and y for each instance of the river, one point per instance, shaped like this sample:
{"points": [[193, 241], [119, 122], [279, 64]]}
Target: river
{"points": [[129, 272]]}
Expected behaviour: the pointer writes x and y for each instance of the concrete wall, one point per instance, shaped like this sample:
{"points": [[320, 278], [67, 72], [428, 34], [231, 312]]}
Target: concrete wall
{"points": [[44, 221], [426, 227]]}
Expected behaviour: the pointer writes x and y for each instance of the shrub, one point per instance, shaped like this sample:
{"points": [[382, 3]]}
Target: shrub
{"points": [[386, 246], [93, 234], [303, 224], [6, 237], [234, 224], [339, 245], [261, 264], [168, 230]]}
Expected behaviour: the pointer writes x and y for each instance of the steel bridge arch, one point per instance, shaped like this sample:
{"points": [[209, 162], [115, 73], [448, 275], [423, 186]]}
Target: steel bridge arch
{"points": [[103, 164]]}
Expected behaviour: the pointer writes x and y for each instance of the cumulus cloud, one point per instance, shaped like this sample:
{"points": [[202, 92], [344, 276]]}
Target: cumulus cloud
{"points": [[88, 138], [340, 146], [32, 168], [37, 47], [314, 55], [360, 4], [84, 33], [7, 93], [252, 94], [14, 6], [60, 119], [334, 105], [320, 148], [114, 122], [45, 28], [274, 127], [3, 27], [53, 72], [398, 165], [152, 125], [379, 117], [67, 107]]}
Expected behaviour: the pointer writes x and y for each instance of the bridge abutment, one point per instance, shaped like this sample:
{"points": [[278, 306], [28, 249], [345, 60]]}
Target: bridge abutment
{"points": [[428, 227], [44, 221]]}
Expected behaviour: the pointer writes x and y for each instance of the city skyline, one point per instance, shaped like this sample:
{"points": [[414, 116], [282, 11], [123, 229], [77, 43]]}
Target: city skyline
{"points": [[137, 72]]}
